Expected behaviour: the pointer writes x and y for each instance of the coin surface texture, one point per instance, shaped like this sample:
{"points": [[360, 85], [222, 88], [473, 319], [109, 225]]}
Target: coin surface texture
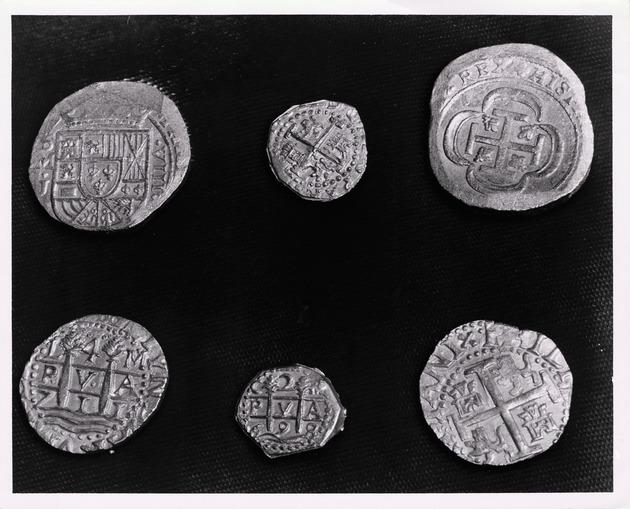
{"points": [[495, 394], [289, 410], [318, 149], [93, 383], [509, 128], [109, 155]]}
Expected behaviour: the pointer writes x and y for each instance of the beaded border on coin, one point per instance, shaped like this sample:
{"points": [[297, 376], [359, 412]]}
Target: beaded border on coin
{"points": [[318, 149], [494, 394], [93, 383], [312, 413]]}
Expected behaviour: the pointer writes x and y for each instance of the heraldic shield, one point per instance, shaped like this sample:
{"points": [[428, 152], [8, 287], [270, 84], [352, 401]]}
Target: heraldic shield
{"points": [[109, 156], [100, 174], [505, 144]]}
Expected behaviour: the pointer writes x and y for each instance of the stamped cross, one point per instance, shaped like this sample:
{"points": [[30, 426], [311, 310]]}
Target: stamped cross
{"points": [[503, 407]]}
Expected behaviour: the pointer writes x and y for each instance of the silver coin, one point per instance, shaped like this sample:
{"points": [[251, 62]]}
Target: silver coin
{"points": [[495, 394], [289, 410], [93, 383], [318, 149], [109, 155], [509, 128]]}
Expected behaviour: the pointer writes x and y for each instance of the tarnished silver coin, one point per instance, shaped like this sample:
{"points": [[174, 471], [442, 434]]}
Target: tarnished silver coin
{"points": [[509, 128], [109, 155], [93, 383], [318, 149], [495, 394], [289, 410]]}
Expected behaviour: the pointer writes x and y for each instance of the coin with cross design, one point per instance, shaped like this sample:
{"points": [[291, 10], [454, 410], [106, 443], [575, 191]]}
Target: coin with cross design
{"points": [[93, 383], [318, 149], [509, 128], [109, 155], [495, 394], [289, 410]]}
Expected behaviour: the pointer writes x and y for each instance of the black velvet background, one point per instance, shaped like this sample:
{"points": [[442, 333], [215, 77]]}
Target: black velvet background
{"points": [[236, 273]]}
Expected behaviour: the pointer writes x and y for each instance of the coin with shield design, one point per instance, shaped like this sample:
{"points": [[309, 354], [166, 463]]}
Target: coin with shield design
{"points": [[495, 394], [93, 383], [509, 128], [109, 155], [289, 410]]}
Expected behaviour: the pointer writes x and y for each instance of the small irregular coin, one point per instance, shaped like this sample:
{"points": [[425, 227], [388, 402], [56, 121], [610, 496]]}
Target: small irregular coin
{"points": [[93, 383], [509, 128], [109, 155], [495, 394], [289, 410], [318, 149]]}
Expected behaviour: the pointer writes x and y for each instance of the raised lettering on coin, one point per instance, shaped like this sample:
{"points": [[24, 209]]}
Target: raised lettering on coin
{"points": [[290, 410], [93, 383], [509, 128], [495, 394], [109, 155], [318, 149]]}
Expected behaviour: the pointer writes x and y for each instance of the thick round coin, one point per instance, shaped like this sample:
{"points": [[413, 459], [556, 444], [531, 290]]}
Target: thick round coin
{"points": [[109, 155], [509, 128], [318, 149], [495, 394], [93, 383], [289, 410]]}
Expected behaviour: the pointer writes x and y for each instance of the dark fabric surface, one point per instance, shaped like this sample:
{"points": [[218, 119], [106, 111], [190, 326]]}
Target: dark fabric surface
{"points": [[236, 274]]}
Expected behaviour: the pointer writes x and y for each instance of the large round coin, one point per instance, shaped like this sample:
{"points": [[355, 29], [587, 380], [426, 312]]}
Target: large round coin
{"points": [[495, 394], [109, 155], [93, 383], [509, 128], [289, 410], [318, 149]]}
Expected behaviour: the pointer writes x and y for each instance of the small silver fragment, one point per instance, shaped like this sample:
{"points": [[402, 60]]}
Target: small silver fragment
{"points": [[289, 410], [109, 155], [495, 394], [318, 149], [509, 128], [93, 383]]}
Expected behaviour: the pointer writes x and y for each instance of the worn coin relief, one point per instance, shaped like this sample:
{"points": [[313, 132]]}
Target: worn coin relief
{"points": [[495, 394], [109, 155], [318, 149], [509, 128], [93, 383], [289, 410]]}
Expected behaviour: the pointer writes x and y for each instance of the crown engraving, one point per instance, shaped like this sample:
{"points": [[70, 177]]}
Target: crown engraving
{"points": [[106, 110]]}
